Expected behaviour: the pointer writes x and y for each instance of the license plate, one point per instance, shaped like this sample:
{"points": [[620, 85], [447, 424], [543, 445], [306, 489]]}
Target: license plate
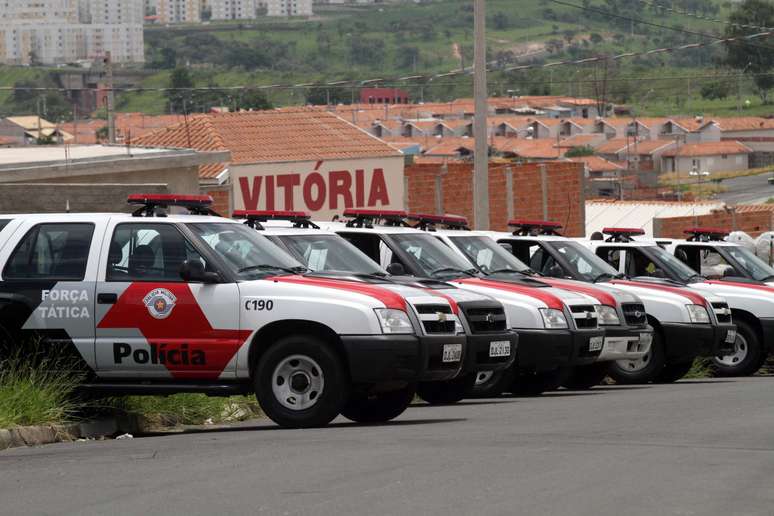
{"points": [[731, 337], [500, 348], [452, 352], [596, 343]]}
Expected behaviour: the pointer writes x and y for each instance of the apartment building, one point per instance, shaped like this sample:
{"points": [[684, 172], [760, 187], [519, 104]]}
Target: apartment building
{"points": [[39, 11], [289, 8], [179, 11], [112, 11], [233, 9]]}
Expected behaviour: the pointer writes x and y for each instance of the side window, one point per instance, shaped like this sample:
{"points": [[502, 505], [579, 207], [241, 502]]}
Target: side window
{"points": [[3, 223], [148, 252], [51, 251], [612, 256], [368, 244], [712, 265]]}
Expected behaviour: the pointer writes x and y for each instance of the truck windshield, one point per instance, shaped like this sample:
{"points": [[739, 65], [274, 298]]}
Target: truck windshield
{"points": [[668, 263], [331, 253], [583, 264], [488, 255], [432, 256], [755, 267], [246, 253]]}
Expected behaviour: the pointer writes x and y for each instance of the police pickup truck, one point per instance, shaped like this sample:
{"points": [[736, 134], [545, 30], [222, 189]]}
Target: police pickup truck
{"points": [[491, 342], [558, 329], [153, 302]]}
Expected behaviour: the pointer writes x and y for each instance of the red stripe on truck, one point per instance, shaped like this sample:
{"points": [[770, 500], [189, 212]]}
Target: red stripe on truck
{"points": [[389, 298], [763, 288], [582, 288], [695, 298], [539, 293]]}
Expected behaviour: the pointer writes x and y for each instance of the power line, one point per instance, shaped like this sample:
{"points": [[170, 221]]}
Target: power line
{"points": [[698, 16], [652, 24]]}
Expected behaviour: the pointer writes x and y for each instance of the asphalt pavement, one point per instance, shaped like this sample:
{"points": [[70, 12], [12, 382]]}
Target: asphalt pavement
{"points": [[695, 447], [747, 190]]}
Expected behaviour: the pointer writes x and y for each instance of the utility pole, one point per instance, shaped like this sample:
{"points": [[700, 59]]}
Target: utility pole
{"points": [[110, 114], [481, 157]]}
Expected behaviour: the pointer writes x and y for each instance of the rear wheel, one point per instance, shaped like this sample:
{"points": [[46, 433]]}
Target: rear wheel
{"points": [[300, 382], [378, 407], [587, 376], [673, 372], [748, 355], [448, 392], [642, 370]]}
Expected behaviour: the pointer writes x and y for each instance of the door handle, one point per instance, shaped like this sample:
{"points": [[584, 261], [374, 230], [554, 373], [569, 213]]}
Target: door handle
{"points": [[107, 299]]}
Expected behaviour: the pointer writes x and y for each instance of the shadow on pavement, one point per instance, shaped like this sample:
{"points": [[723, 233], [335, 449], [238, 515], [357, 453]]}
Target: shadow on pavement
{"points": [[492, 401]]}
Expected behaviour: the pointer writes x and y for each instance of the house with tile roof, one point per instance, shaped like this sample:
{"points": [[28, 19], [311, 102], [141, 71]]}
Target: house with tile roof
{"points": [[722, 156], [291, 159], [28, 130]]}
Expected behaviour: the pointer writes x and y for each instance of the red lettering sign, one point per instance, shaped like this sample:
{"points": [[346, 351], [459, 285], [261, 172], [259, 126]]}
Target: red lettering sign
{"points": [[314, 180]]}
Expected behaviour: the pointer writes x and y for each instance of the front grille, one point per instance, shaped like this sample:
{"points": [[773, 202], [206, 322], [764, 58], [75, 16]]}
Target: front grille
{"points": [[433, 309], [634, 314], [585, 316], [438, 326], [486, 320], [722, 312]]}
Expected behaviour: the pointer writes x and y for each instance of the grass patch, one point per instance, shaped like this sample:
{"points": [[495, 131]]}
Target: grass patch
{"points": [[188, 409], [36, 392], [702, 368]]}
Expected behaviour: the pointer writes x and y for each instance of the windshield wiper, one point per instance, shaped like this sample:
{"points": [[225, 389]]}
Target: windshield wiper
{"points": [[266, 267], [469, 272], [509, 271], [696, 278], [606, 276]]}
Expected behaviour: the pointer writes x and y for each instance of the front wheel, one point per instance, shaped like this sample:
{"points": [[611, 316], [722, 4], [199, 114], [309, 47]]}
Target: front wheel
{"points": [[300, 382], [587, 376], [748, 355], [642, 370], [673, 372], [378, 407], [448, 392]]}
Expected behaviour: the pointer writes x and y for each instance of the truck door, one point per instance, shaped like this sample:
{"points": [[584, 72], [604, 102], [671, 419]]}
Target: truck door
{"points": [[48, 286], [151, 323]]}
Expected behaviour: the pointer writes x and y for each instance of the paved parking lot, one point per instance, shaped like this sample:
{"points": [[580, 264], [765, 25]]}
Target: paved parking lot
{"points": [[700, 447]]}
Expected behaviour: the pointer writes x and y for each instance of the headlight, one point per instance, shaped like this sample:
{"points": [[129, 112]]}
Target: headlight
{"points": [[607, 316], [698, 314], [394, 321], [553, 319]]}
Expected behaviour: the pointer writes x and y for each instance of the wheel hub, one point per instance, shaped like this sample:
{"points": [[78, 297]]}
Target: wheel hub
{"points": [[298, 382], [635, 365], [737, 356]]}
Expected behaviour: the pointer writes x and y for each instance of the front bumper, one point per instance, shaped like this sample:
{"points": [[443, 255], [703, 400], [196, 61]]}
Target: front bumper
{"points": [[387, 358], [684, 342], [479, 345], [625, 343], [546, 350]]}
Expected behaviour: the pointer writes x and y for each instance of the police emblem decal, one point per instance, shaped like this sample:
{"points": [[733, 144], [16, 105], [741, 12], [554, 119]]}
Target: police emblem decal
{"points": [[160, 303]]}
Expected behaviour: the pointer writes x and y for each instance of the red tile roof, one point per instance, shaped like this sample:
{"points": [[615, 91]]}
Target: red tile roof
{"points": [[744, 123], [299, 134], [597, 164], [708, 149]]}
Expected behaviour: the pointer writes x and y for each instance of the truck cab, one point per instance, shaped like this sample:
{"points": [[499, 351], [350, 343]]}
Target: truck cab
{"points": [[161, 302], [751, 304], [491, 343], [558, 329]]}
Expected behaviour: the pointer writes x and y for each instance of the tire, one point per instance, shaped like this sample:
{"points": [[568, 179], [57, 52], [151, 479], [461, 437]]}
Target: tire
{"points": [[491, 384], [587, 376], [379, 407], [644, 370], [534, 384], [448, 392], [300, 382], [673, 372], [748, 355]]}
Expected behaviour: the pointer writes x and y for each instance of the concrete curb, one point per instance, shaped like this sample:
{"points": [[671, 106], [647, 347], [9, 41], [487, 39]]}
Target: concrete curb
{"points": [[48, 434]]}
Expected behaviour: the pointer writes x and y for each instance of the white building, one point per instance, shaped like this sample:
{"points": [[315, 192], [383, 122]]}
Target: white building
{"points": [[63, 31], [289, 8], [233, 9], [179, 11]]}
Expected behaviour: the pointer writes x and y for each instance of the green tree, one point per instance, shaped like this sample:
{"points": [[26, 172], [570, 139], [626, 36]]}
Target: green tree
{"points": [[179, 98], [253, 99], [754, 56], [366, 51], [577, 152], [500, 21], [326, 96], [715, 90]]}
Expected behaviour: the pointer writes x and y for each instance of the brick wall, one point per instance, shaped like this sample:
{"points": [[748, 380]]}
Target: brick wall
{"points": [[80, 198], [751, 222], [564, 183], [221, 196]]}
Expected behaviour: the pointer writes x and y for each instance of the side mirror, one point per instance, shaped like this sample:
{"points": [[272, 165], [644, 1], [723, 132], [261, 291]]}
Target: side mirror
{"points": [[193, 271], [396, 269]]}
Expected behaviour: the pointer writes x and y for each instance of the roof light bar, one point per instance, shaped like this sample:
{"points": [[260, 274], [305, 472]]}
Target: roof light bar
{"points": [[154, 204], [622, 234], [532, 227], [427, 221], [706, 234], [366, 218], [254, 217]]}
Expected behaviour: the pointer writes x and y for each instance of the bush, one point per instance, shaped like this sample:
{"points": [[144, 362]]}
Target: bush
{"points": [[36, 392], [188, 409]]}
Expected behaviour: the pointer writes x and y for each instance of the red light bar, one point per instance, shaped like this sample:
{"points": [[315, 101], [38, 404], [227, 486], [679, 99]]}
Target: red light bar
{"points": [[454, 220], [264, 215], [623, 231], [706, 231], [170, 199], [523, 223], [379, 214]]}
